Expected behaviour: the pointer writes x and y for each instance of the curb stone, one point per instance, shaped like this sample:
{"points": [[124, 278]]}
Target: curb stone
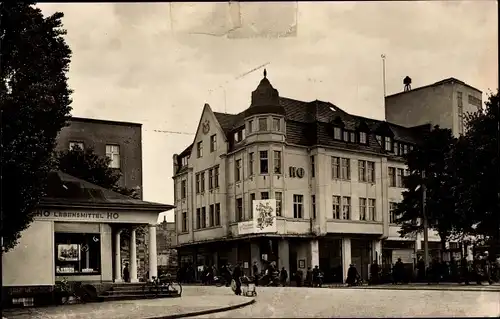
{"points": [[206, 312], [475, 289]]}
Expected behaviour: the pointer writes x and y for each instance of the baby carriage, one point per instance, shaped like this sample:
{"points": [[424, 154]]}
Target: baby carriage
{"points": [[248, 286]]}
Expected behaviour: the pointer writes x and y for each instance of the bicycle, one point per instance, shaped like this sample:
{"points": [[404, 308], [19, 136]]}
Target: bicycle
{"points": [[72, 291], [163, 284]]}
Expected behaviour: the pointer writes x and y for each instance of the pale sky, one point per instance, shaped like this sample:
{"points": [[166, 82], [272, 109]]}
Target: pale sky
{"points": [[159, 63]]}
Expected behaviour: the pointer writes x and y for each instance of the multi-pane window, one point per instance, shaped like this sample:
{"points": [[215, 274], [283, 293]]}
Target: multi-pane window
{"points": [[213, 143], [362, 208], [298, 206], [276, 124], [197, 177], [199, 149], [203, 217], [335, 167], [460, 106], [77, 145], [362, 137], [392, 176], [392, 216], [336, 206], [237, 170], [362, 171], [183, 189], [388, 144], [313, 165], [184, 223], [401, 148], [217, 215], [202, 182], [405, 149], [313, 206], [279, 199], [264, 162], [370, 172], [395, 148], [216, 176], [250, 163], [198, 218], [239, 136], [337, 133], [346, 208], [341, 168], [113, 153], [346, 136], [277, 162], [371, 209], [239, 209], [345, 168], [352, 137], [252, 198], [211, 215], [211, 179], [263, 124], [399, 177], [264, 195], [250, 126]]}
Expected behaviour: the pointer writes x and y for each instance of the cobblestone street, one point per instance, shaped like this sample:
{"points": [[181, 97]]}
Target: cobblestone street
{"points": [[316, 303]]}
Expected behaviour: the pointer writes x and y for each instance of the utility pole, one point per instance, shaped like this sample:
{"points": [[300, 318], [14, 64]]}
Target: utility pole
{"points": [[425, 223]]}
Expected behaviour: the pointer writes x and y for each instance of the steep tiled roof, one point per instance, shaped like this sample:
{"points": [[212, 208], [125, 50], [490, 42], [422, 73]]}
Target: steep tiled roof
{"points": [[311, 123]]}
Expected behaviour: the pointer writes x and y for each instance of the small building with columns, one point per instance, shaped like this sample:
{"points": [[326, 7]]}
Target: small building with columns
{"points": [[75, 235], [334, 176]]}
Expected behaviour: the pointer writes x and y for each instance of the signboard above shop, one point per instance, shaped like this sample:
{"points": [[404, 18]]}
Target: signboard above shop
{"points": [[101, 216], [264, 218]]}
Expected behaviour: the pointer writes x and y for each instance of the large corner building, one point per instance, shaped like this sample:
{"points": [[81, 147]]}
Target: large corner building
{"points": [[335, 178]]}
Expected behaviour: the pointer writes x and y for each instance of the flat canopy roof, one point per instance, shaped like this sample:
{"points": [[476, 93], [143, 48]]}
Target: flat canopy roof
{"points": [[69, 191]]}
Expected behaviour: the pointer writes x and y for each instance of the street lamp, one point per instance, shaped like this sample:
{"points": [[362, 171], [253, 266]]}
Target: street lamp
{"points": [[424, 221]]}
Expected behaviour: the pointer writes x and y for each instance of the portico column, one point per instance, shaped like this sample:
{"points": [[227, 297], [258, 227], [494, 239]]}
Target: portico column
{"points": [[133, 256], [118, 258], [153, 261], [346, 257]]}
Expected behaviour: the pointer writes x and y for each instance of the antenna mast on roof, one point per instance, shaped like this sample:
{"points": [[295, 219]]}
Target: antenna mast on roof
{"points": [[383, 73]]}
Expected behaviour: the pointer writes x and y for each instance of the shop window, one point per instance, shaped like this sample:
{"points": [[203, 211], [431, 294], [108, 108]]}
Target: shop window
{"points": [[78, 254]]}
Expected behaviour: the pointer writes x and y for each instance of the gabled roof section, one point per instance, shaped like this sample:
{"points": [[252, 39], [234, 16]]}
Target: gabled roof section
{"points": [[64, 189], [450, 80]]}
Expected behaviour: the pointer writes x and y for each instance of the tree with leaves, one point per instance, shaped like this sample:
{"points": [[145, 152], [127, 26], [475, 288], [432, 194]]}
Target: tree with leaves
{"points": [[430, 169], [35, 105], [89, 166], [476, 158]]}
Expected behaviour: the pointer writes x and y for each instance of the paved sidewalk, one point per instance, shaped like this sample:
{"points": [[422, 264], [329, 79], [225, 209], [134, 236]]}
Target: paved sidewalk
{"points": [[425, 286], [194, 301]]}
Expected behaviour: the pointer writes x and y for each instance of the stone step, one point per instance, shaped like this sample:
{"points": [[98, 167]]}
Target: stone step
{"points": [[136, 297], [135, 292], [131, 287]]}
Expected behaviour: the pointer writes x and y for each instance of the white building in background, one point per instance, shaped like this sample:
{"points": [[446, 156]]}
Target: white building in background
{"points": [[444, 103], [334, 176]]}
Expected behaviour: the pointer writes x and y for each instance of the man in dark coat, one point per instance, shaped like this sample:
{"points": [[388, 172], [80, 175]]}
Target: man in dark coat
{"points": [[283, 276], [255, 270], [398, 272], [236, 277], [126, 273], [374, 271], [352, 275]]}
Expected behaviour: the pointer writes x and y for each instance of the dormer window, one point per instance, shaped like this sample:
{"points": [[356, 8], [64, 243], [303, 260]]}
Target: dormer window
{"points": [[337, 133], [401, 149], [352, 137], [239, 136], [276, 124], [379, 139], [362, 137], [396, 148], [346, 136], [388, 144], [184, 161], [250, 128], [263, 124], [411, 148], [405, 149]]}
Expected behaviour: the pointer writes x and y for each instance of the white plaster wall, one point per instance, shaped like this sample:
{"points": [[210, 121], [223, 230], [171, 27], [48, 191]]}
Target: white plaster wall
{"points": [[31, 262]]}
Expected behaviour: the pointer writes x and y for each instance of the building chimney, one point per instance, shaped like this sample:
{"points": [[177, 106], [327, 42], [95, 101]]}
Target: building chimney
{"points": [[164, 218], [175, 159]]}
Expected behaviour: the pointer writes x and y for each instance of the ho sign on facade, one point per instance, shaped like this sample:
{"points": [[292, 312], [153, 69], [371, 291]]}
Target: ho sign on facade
{"points": [[296, 172]]}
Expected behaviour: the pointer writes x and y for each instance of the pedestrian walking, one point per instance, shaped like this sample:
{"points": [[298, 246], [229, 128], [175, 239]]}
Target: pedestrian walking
{"points": [[283, 276]]}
